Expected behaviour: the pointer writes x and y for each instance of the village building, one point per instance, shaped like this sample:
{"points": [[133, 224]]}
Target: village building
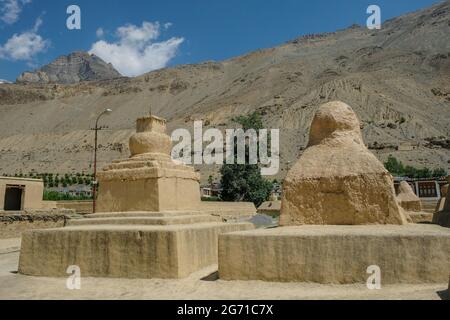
{"points": [[211, 191], [425, 189], [407, 146], [77, 190], [18, 194]]}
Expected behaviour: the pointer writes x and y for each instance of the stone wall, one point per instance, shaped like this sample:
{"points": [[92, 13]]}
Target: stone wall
{"points": [[81, 207], [13, 224]]}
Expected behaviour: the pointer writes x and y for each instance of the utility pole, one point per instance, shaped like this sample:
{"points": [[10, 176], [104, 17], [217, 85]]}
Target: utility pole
{"points": [[95, 183]]}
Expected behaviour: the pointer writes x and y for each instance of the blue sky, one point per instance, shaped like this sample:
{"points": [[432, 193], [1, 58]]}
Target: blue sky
{"points": [[127, 33]]}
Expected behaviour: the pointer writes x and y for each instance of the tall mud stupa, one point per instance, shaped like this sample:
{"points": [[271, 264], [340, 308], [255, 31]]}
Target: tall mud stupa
{"points": [[150, 222], [149, 180]]}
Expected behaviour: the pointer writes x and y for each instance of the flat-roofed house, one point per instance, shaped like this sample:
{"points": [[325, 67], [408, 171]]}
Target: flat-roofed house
{"points": [[18, 194]]}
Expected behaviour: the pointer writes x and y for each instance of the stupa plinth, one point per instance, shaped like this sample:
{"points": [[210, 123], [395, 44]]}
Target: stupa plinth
{"points": [[149, 180], [150, 224], [339, 215]]}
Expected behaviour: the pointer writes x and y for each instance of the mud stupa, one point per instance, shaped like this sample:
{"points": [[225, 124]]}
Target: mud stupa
{"points": [[339, 186], [337, 180], [442, 217], [149, 180], [412, 205], [151, 225], [407, 199]]}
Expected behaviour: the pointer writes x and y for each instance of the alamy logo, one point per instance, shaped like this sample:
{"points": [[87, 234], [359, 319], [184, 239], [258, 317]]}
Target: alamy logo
{"points": [[74, 20], [73, 282], [374, 21], [374, 280], [242, 147]]}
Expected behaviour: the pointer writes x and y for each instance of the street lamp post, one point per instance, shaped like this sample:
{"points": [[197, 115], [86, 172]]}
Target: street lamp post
{"points": [[94, 186]]}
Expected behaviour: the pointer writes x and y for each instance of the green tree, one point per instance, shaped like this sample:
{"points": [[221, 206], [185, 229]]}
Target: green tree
{"points": [[440, 172], [410, 172], [424, 173], [394, 166], [252, 121], [244, 182]]}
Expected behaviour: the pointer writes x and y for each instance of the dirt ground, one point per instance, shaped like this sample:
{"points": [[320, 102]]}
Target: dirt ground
{"points": [[201, 285]]}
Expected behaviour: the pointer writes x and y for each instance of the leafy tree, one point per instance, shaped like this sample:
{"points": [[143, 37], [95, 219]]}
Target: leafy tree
{"points": [[440, 172], [252, 121], [410, 172], [58, 196], [244, 182], [394, 166]]}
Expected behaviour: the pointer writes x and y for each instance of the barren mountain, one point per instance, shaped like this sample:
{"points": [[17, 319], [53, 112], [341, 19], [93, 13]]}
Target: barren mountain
{"points": [[76, 67], [397, 79]]}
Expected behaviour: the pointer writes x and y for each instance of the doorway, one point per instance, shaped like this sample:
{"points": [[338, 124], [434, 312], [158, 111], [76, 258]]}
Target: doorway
{"points": [[13, 198]]}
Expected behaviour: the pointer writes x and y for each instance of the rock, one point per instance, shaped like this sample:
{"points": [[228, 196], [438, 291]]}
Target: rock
{"points": [[337, 180], [262, 220], [33, 77], [407, 199], [76, 67]]}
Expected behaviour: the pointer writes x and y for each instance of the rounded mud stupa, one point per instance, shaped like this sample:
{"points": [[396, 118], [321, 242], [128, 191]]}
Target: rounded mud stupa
{"points": [[407, 199], [150, 137], [337, 180]]}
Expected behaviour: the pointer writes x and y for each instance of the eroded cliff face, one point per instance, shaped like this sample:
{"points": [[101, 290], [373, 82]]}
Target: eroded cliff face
{"points": [[396, 80]]}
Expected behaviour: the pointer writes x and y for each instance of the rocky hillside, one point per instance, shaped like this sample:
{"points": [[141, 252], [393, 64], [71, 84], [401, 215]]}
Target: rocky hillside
{"points": [[74, 68], [396, 79]]}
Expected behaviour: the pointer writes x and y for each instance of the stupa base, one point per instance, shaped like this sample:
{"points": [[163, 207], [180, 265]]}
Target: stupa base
{"points": [[139, 245], [337, 254]]}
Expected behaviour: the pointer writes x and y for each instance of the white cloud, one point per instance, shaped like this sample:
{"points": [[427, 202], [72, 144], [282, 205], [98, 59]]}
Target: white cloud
{"points": [[136, 51], [24, 46], [100, 32], [10, 10], [38, 23]]}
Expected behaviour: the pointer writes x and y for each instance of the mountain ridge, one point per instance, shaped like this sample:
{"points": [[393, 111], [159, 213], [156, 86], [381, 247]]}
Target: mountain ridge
{"points": [[396, 79], [72, 68]]}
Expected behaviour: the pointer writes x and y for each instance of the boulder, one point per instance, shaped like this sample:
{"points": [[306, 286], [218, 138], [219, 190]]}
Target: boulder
{"points": [[337, 181], [407, 199]]}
